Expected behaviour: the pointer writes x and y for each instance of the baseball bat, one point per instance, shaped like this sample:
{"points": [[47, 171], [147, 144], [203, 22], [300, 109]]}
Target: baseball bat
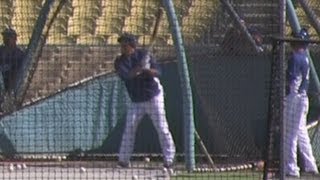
{"points": [[145, 60], [204, 149], [158, 20]]}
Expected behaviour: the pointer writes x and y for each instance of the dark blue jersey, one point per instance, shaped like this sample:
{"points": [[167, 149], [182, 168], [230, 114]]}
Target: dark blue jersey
{"points": [[142, 87], [11, 61], [298, 72]]}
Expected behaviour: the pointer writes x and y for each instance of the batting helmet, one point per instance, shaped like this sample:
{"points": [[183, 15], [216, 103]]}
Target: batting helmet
{"points": [[302, 34]]}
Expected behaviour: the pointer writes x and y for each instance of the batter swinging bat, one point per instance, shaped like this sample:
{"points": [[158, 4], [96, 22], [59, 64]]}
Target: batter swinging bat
{"points": [[145, 61]]}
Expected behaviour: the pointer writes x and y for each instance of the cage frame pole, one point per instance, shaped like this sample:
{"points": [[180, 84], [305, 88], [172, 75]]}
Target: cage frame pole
{"points": [[188, 115]]}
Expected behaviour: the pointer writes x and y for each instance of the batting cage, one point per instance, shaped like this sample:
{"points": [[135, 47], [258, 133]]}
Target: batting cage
{"points": [[151, 89]]}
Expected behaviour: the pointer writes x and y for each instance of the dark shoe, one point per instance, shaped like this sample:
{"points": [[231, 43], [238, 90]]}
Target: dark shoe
{"points": [[168, 167], [123, 164]]}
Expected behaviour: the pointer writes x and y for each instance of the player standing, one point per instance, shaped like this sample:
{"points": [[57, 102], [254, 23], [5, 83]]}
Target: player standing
{"points": [[146, 94], [11, 60], [296, 109]]}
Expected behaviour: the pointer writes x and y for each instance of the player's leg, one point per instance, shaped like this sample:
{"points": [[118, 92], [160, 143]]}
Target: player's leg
{"points": [[133, 118], [157, 113], [291, 124], [304, 140]]}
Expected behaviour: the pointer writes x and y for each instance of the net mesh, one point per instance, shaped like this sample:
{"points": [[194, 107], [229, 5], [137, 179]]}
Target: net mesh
{"points": [[73, 115]]}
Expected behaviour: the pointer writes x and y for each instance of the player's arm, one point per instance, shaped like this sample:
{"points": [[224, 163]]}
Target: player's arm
{"points": [[124, 72], [151, 72], [154, 69], [304, 66], [290, 70], [137, 70], [291, 73], [120, 69]]}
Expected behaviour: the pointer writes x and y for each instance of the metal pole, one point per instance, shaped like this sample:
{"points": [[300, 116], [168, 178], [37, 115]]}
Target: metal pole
{"points": [[187, 99], [282, 63]]}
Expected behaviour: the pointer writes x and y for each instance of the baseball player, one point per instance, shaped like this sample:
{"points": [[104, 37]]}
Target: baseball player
{"points": [[11, 60], [146, 94], [296, 109]]}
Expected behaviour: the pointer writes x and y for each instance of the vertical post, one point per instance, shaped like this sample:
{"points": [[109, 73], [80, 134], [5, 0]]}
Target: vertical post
{"points": [[292, 16], [276, 97], [188, 116], [282, 64], [31, 58]]}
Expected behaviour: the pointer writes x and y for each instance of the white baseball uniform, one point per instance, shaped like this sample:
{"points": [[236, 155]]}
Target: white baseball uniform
{"points": [[146, 94], [295, 121]]}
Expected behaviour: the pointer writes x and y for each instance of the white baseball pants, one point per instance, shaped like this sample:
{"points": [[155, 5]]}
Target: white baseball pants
{"points": [[296, 134], [155, 109]]}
